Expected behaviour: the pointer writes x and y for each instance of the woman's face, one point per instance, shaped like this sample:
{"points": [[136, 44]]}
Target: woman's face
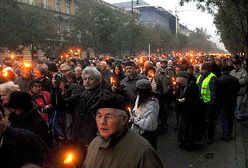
{"points": [[117, 70], [4, 97], [36, 88]]}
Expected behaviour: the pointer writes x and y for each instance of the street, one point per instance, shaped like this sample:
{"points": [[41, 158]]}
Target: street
{"points": [[218, 155]]}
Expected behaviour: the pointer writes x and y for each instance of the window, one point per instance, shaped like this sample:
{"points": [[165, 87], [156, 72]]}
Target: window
{"points": [[31, 2], [45, 3], [68, 7], [57, 5]]}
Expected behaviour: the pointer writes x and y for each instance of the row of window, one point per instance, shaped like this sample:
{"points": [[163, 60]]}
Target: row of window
{"points": [[57, 5]]}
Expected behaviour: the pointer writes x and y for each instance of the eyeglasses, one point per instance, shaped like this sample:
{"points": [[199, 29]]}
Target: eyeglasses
{"points": [[107, 117]]}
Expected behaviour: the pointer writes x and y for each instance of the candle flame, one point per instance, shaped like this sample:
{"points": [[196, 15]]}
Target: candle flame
{"points": [[5, 73], [111, 80], [68, 159]]}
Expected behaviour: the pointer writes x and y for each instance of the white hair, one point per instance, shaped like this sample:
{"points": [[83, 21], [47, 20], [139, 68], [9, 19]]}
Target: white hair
{"points": [[9, 87]]}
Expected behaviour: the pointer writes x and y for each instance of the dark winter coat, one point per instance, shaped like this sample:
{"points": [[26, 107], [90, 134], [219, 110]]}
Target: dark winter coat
{"points": [[128, 87], [32, 121], [19, 147], [188, 113], [84, 127], [228, 88]]}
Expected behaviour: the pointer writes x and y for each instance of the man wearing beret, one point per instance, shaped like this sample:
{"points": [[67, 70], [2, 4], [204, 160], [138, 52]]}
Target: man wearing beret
{"points": [[116, 145], [128, 84]]}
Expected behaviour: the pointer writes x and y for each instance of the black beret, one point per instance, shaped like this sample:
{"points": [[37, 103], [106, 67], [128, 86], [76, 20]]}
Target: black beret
{"points": [[111, 100], [130, 63], [143, 84], [183, 74]]}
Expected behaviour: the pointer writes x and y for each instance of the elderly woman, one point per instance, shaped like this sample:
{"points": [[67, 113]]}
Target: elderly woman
{"points": [[5, 90], [145, 112]]}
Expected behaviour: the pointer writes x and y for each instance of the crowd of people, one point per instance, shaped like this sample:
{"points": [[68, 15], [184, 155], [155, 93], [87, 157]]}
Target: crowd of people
{"points": [[113, 110]]}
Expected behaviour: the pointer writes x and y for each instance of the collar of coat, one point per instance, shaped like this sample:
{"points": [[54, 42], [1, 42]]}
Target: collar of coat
{"points": [[114, 138]]}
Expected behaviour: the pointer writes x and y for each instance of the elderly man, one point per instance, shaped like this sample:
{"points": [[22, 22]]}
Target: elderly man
{"points": [[78, 73], [84, 127], [24, 80], [106, 73], [128, 84], [116, 145]]}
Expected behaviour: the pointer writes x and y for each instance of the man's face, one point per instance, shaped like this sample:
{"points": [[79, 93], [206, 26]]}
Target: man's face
{"points": [[78, 72], [3, 123], [89, 82], [177, 70], [108, 121], [38, 74], [102, 66], [182, 81], [204, 72], [25, 72], [163, 64], [129, 70]]}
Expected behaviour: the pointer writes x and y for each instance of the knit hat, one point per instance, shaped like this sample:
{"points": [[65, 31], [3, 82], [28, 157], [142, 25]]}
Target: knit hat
{"points": [[143, 84]]}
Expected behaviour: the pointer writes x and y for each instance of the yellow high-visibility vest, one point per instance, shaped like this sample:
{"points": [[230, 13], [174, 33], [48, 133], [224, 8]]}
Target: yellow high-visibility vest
{"points": [[205, 90]]}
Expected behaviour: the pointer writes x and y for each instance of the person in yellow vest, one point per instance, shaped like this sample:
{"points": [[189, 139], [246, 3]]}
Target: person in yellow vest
{"points": [[207, 83]]}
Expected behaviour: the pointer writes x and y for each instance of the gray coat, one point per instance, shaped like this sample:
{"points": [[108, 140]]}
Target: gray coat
{"points": [[242, 76]]}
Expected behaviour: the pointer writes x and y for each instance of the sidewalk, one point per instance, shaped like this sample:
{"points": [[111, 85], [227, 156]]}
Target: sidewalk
{"points": [[244, 129], [218, 155]]}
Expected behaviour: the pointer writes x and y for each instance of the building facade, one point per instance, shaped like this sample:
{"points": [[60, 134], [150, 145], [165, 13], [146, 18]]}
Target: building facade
{"points": [[151, 16], [68, 7]]}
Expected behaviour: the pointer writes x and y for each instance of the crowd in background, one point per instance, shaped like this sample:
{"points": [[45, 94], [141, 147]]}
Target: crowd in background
{"points": [[57, 101]]}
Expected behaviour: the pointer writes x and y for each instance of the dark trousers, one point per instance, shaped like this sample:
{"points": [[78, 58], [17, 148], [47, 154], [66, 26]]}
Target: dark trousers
{"points": [[151, 136], [210, 112], [227, 111]]}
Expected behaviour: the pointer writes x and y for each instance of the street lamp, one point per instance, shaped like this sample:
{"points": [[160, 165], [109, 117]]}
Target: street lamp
{"points": [[137, 2], [133, 48]]}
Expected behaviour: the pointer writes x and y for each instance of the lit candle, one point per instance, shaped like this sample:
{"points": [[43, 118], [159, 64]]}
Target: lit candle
{"points": [[112, 81], [69, 159]]}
